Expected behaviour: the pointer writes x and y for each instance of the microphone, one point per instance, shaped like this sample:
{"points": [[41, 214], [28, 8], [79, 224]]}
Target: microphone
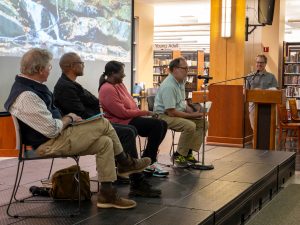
{"points": [[254, 75], [204, 77]]}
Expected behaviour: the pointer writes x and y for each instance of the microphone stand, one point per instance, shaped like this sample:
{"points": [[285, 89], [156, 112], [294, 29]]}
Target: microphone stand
{"points": [[202, 166]]}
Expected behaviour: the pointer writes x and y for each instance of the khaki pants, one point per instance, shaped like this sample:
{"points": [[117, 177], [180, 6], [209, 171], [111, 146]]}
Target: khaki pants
{"points": [[191, 136], [92, 138], [252, 117]]}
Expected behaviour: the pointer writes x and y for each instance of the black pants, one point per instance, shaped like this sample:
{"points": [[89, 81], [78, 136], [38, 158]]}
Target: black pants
{"points": [[155, 130], [127, 135]]}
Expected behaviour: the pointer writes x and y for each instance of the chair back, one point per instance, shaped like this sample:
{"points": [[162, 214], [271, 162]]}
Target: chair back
{"points": [[282, 114], [150, 101], [293, 108], [25, 151], [18, 133]]}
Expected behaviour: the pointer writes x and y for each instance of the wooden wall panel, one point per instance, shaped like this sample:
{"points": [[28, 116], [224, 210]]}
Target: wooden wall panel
{"points": [[7, 138]]}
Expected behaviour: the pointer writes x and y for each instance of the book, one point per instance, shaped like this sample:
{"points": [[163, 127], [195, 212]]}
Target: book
{"points": [[92, 118]]}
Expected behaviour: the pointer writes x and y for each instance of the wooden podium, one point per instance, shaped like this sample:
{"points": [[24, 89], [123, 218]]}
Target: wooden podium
{"points": [[226, 117], [265, 116]]}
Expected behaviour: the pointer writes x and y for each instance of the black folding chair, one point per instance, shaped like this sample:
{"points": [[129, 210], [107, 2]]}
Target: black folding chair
{"points": [[26, 153]]}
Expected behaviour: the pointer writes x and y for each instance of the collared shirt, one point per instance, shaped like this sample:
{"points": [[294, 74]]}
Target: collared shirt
{"points": [[171, 95], [263, 80], [32, 110]]}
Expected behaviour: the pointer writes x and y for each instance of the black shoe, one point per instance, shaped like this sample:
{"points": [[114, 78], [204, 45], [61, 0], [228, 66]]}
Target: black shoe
{"points": [[122, 180], [39, 191], [144, 189]]}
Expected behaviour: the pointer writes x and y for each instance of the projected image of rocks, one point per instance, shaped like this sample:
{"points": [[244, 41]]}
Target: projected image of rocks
{"points": [[95, 29]]}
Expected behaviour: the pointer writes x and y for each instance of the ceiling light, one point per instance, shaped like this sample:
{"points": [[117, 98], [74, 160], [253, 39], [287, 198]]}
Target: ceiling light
{"points": [[226, 19]]}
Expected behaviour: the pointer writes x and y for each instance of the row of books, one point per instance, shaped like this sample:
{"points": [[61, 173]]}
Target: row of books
{"points": [[165, 70], [292, 68], [291, 80], [297, 104], [158, 79], [191, 62], [190, 80], [292, 91], [293, 57], [161, 62], [160, 70]]}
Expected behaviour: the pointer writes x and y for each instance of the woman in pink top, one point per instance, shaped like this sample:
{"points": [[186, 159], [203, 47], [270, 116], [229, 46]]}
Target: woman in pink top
{"points": [[119, 107]]}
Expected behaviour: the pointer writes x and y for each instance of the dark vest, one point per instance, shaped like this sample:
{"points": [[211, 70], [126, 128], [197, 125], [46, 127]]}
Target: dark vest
{"points": [[29, 135]]}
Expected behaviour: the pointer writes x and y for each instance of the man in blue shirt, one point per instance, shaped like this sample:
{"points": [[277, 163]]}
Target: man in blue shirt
{"points": [[260, 80], [171, 106]]}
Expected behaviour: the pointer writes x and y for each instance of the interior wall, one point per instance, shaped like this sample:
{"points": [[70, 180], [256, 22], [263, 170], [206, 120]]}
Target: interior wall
{"points": [[272, 37], [144, 43], [265, 36]]}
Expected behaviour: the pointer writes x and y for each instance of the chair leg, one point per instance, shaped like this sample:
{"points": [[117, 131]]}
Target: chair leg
{"points": [[140, 145], [14, 191], [279, 138], [76, 158], [172, 149], [298, 137], [52, 162], [19, 179]]}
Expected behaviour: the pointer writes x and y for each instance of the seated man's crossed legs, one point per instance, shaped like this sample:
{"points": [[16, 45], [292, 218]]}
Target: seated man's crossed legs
{"points": [[191, 137], [100, 139]]}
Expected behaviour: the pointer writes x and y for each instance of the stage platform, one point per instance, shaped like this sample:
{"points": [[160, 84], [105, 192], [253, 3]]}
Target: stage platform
{"points": [[241, 183]]}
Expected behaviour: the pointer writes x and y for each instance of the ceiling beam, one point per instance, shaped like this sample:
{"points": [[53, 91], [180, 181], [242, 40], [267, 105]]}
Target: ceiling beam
{"points": [[181, 24], [179, 31], [181, 35]]}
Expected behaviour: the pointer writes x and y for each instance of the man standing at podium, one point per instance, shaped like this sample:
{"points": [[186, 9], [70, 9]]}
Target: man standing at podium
{"points": [[261, 79]]}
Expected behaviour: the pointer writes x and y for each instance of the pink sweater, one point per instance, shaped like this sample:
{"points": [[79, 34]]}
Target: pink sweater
{"points": [[117, 103]]}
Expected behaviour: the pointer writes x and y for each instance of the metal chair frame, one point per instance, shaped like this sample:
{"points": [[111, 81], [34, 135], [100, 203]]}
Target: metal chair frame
{"points": [[26, 155]]}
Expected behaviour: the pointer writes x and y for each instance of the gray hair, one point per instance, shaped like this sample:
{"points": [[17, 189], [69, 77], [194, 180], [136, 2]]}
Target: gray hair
{"points": [[34, 60]]}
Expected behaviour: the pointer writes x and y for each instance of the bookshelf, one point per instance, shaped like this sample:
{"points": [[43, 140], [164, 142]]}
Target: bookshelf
{"points": [[160, 66], [195, 61], [291, 71]]}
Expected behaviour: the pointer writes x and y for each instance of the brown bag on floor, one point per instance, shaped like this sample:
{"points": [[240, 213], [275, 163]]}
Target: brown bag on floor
{"points": [[65, 184]]}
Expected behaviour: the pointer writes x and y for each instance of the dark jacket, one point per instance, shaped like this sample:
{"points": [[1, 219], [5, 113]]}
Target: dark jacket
{"points": [[69, 96], [29, 135]]}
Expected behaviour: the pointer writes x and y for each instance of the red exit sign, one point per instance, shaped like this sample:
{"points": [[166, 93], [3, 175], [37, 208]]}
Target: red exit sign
{"points": [[266, 49]]}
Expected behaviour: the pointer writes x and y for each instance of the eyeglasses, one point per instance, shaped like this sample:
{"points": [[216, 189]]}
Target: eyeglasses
{"points": [[260, 62], [81, 63], [50, 67], [184, 68]]}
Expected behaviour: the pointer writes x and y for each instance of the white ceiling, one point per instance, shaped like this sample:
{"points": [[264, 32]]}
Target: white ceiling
{"points": [[195, 14]]}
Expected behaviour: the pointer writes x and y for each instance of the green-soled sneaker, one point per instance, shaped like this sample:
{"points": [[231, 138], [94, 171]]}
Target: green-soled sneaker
{"points": [[180, 161], [191, 159]]}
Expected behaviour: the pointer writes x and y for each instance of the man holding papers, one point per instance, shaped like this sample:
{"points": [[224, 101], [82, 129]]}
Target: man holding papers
{"points": [[170, 104]]}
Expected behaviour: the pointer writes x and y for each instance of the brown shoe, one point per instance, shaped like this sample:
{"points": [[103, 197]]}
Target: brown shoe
{"points": [[111, 199], [133, 166]]}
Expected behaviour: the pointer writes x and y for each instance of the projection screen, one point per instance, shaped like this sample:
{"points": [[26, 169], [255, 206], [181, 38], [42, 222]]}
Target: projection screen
{"points": [[97, 30]]}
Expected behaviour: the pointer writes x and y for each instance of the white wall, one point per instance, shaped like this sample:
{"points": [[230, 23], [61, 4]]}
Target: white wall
{"points": [[92, 72]]}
